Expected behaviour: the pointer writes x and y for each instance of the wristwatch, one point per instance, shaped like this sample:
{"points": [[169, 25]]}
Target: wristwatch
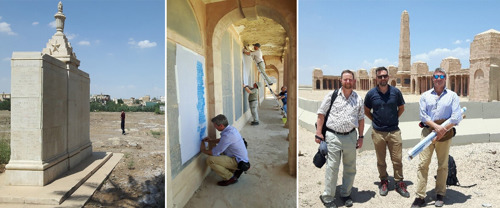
{"points": [[361, 137]]}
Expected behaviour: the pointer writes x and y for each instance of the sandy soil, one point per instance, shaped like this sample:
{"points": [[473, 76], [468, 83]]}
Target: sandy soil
{"points": [[320, 95], [476, 163], [138, 179], [267, 183]]}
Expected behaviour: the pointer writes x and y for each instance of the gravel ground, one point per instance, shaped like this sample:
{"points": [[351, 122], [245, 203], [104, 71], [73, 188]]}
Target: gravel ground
{"points": [[477, 163]]}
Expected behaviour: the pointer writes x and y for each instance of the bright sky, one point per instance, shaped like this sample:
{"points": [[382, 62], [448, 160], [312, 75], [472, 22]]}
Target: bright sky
{"points": [[120, 43], [336, 35]]}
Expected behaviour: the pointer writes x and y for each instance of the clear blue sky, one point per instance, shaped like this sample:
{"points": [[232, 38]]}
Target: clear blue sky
{"points": [[336, 35], [120, 43]]}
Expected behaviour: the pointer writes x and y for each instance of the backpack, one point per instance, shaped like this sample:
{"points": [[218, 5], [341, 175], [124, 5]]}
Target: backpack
{"points": [[452, 179]]}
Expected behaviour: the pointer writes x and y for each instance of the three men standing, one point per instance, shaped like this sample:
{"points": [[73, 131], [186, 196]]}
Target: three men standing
{"points": [[388, 104], [346, 114]]}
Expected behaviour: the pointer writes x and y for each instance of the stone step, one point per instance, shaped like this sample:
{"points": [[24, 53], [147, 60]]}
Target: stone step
{"points": [[73, 189]]}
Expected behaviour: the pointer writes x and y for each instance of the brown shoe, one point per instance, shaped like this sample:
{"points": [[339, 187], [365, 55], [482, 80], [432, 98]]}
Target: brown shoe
{"points": [[228, 182]]}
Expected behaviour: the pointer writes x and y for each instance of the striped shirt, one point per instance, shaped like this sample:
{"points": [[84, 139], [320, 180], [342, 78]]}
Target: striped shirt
{"points": [[434, 107], [345, 114]]}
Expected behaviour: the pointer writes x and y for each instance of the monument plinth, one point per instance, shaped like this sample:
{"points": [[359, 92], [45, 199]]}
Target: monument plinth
{"points": [[50, 112]]}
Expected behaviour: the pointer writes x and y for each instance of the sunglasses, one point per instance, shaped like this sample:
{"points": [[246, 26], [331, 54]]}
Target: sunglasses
{"points": [[383, 76], [439, 76]]}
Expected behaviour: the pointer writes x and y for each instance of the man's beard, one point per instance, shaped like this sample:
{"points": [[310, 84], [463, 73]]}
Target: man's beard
{"points": [[383, 84], [347, 86]]}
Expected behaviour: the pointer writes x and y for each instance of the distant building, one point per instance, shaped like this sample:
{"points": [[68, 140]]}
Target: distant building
{"points": [[100, 98], [146, 98], [4, 97]]}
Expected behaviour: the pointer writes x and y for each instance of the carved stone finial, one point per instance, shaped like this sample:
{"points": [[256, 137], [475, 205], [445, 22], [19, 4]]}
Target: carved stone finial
{"points": [[60, 18], [60, 7]]}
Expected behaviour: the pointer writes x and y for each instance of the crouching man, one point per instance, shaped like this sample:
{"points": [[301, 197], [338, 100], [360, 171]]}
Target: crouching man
{"points": [[229, 158]]}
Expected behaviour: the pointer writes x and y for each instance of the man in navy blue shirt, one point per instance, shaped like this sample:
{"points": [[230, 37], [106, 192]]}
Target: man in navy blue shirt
{"points": [[225, 158], [383, 105], [283, 96]]}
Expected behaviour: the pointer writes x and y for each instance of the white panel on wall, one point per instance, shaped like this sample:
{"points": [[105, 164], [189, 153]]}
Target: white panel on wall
{"points": [[191, 99]]}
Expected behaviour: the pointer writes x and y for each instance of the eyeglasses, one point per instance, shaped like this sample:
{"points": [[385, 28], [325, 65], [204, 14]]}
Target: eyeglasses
{"points": [[383, 76], [442, 76]]}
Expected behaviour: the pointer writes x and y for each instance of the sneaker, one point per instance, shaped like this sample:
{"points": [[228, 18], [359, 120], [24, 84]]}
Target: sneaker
{"points": [[439, 201], [228, 182], [418, 203], [383, 189], [330, 204], [401, 189], [254, 123], [347, 201]]}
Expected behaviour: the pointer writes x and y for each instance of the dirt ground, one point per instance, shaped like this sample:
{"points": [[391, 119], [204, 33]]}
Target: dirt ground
{"points": [[476, 164], [138, 180]]}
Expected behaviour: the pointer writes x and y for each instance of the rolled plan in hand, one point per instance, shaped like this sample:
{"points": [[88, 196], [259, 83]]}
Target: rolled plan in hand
{"points": [[424, 143]]}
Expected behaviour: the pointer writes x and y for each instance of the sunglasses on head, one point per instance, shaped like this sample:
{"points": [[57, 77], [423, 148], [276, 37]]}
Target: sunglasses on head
{"points": [[383, 76], [442, 76]]}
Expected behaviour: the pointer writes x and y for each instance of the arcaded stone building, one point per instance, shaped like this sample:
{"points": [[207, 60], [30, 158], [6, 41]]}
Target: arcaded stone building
{"points": [[479, 83]]}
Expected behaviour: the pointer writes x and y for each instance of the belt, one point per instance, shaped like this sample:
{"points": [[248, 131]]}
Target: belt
{"points": [[341, 133]]}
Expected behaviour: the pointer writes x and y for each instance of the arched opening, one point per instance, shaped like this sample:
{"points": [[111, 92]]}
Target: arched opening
{"points": [[393, 83], [413, 89], [318, 84]]}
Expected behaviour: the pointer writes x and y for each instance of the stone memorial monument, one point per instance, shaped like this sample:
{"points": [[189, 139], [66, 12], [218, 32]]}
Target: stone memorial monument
{"points": [[50, 112]]}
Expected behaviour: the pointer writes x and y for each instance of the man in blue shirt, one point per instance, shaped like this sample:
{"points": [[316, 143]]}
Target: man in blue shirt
{"points": [[388, 104], [231, 145], [436, 106], [283, 96]]}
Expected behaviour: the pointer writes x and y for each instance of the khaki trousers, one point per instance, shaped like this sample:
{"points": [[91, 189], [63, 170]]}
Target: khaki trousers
{"points": [[340, 147], [392, 140], [223, 165], [442, 150]]}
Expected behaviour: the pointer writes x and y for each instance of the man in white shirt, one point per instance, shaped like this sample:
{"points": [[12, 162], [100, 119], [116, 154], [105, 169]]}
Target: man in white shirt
{"points": [[257, 57]]}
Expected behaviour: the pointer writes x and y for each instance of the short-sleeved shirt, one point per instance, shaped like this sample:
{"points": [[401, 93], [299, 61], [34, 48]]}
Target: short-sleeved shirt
{"points": [[231, 144], [345, 113], [445, 106], [385, 108], [257, 56], [284, 99], [253, 95]]}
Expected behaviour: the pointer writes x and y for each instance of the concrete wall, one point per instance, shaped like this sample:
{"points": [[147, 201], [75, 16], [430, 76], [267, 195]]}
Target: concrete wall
{"points": [[479, 125]]}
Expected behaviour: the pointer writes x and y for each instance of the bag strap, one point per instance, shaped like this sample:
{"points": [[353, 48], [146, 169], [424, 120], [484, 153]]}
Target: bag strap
{"points": [[334, 96]]}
